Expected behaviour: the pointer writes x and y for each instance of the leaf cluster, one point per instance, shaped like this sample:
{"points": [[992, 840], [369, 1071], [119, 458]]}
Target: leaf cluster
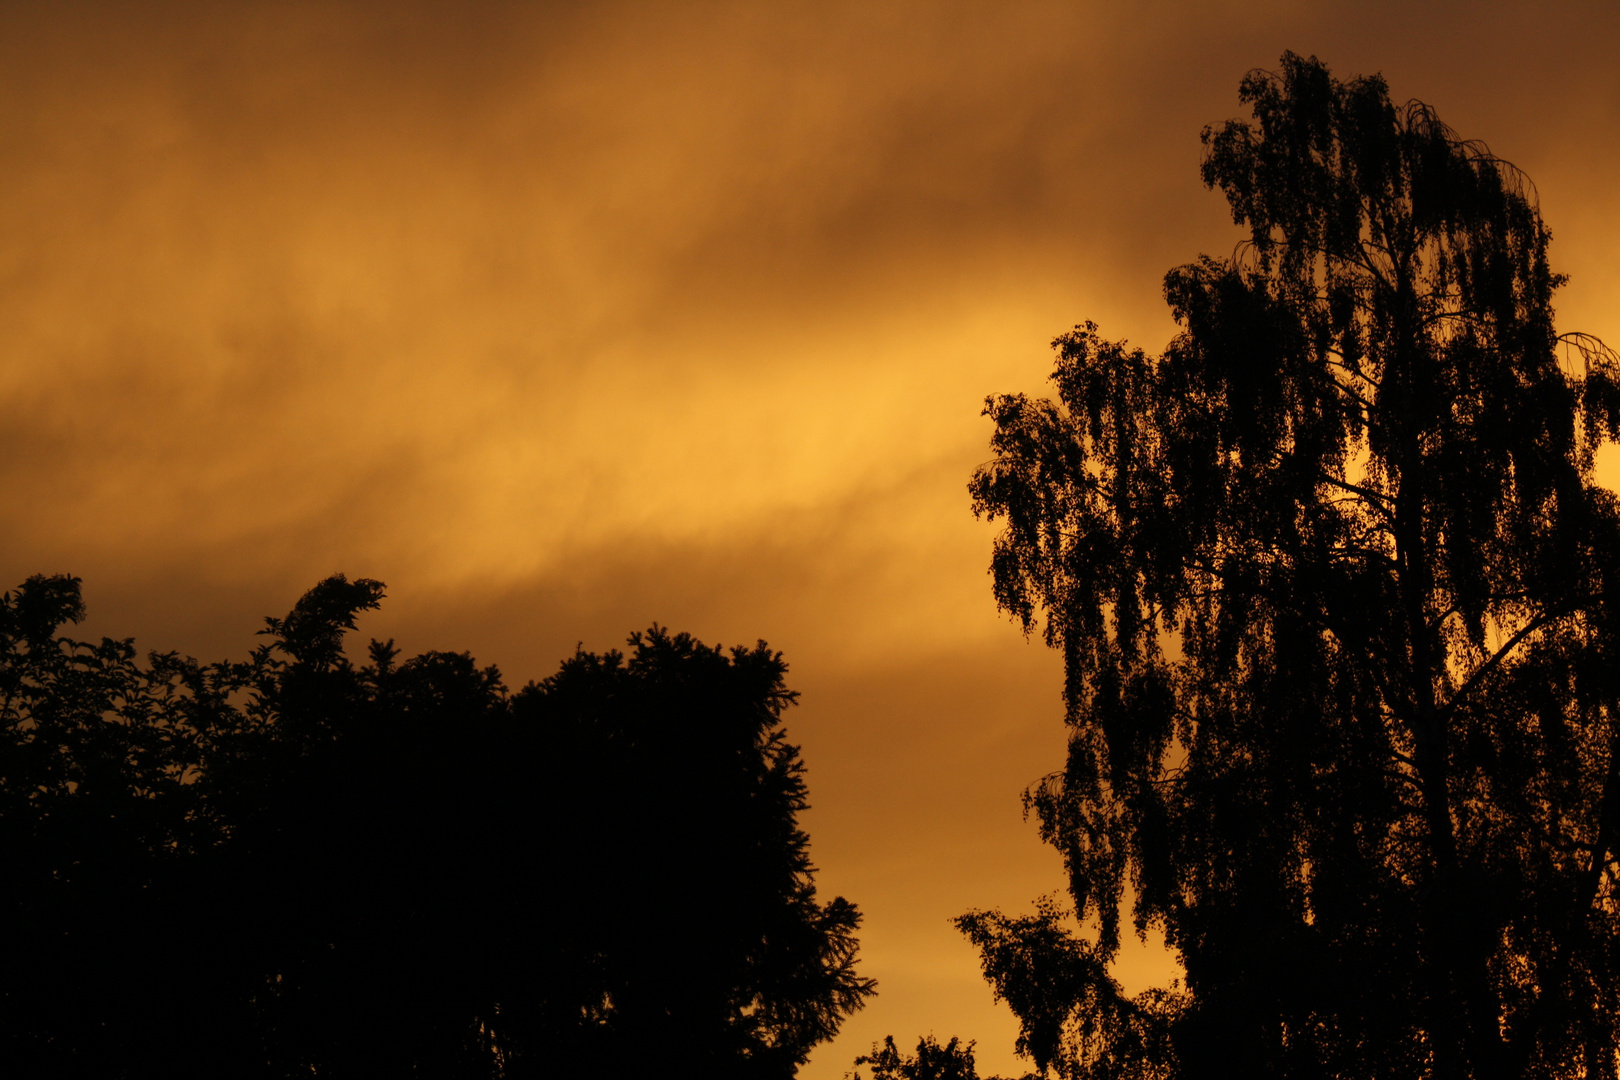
{"points": [[933, 1061], [300, 864]]}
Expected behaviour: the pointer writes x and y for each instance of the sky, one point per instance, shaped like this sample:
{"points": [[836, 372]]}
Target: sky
{"points": [[564, 319]]}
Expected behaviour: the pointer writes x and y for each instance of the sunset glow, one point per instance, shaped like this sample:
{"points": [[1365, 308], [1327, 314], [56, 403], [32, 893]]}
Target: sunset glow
{"points": [[562, 319]]}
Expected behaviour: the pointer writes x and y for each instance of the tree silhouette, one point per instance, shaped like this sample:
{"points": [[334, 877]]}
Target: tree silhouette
{"points": [[691, 916], [301, 865], [1332, 583], [932, 1061], [100, 828]]}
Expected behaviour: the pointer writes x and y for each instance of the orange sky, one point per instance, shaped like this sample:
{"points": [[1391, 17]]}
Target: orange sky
{"points": [[562, 319]]}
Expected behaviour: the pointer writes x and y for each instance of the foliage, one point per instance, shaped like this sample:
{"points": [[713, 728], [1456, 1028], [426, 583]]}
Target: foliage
{"points": [[693, 917], [301, 865], [1073, 1015], [99, 821], [952, 1061], [1331, 579]]}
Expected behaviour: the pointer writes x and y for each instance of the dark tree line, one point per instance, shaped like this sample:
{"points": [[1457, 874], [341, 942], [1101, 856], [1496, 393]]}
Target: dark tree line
{"points": [[303, 865], [1336, 593]]}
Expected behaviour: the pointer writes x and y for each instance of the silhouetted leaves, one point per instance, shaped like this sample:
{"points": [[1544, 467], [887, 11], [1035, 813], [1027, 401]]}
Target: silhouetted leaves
{"points": [[691, 911], [298, 865], [952, 1061], [1331, 580]]}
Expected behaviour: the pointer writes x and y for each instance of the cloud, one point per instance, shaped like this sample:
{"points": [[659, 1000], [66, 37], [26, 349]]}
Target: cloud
{"points": [[483, 306]]}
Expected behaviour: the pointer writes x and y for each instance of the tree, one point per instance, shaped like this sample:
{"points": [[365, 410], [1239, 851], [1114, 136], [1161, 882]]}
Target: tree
{"points": [[690, 923], [100, 829], [1335, 591], [952, 1061], [302, 865]]}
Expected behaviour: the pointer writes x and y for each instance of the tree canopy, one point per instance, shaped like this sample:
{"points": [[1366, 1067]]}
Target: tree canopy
{"points": [[303, 865], [933, 1061], [1335, 591]]}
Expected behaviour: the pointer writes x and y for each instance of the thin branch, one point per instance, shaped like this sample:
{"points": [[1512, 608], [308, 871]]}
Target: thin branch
{"points": [[1490, 665], [1376, 497]]}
